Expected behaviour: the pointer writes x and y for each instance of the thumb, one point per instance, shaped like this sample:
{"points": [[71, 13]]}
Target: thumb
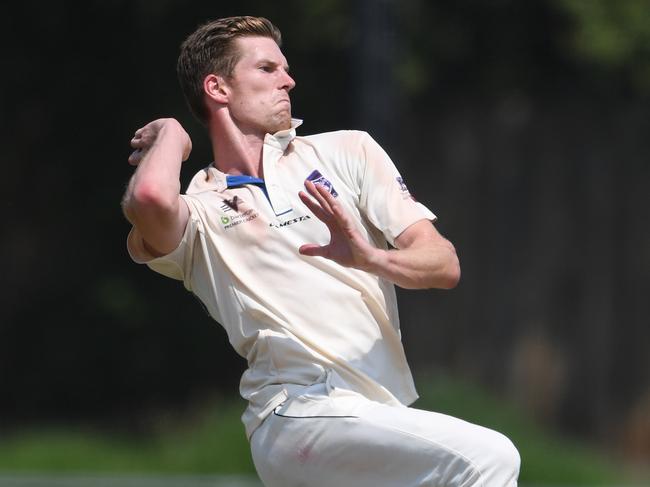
{"points": [[313, 250]]}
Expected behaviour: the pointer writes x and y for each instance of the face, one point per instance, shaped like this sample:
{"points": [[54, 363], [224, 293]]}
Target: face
{"points": [[258, 91]]}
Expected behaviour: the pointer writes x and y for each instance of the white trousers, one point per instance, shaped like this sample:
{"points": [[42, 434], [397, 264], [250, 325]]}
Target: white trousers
{"points": [[331, 437]]}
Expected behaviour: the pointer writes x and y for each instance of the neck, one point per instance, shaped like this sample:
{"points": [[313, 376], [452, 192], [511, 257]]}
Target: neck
{"points": [[236, 151]]}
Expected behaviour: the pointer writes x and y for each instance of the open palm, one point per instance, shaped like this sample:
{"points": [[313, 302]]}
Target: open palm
{"points": [[347, 246]]}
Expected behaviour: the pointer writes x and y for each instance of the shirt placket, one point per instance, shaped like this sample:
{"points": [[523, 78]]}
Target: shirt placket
{"points": [[278, 196]]}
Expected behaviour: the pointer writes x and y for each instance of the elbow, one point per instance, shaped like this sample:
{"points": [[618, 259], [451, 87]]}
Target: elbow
{"points": [[146, 199], [450, 277]]}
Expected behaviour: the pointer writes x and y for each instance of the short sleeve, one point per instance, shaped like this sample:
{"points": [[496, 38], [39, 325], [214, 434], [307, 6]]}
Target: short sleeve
{"points": [[178, 263], [385, 198]]}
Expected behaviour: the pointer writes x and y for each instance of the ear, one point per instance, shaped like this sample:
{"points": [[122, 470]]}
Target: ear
{"points": [[216, 88]]}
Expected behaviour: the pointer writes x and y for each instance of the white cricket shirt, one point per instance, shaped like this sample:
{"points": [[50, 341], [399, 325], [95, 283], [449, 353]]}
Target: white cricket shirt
{"points": [[295, 317]]}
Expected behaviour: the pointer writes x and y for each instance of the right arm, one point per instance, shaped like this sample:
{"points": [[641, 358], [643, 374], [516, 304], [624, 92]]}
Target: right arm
{"points": [[152, 201]]}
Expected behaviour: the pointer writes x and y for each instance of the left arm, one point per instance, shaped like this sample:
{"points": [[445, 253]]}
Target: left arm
{"points": [[422, 258]]}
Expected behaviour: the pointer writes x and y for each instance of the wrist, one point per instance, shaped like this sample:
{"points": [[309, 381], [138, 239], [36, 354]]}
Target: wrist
{"points": [[377, 262], [172, 132]]}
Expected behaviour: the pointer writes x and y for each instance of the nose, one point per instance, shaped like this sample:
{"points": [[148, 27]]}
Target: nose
{"points": [[287, 81]]}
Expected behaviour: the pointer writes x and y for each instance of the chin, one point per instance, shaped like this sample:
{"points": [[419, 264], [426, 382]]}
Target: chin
{"points": [[281, 123]]}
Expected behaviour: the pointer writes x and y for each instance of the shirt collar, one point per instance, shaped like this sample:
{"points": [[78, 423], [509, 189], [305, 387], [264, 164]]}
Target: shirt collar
{"points": [[207, 179], [211, 179], [281, 139]]}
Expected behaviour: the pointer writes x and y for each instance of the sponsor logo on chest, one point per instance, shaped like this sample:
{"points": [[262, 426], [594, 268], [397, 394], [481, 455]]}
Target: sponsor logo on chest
{"points": [[231, 204], [286, 223], [233, 217]]}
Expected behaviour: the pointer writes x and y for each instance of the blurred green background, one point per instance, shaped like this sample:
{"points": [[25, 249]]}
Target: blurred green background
{"points": [[523, 125]]}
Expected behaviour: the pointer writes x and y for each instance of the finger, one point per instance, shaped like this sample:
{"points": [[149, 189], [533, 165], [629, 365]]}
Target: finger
{"points": [[187, 151], [314, 207], [138, 143], [314, 190], [313, 250], [328, 197], [137, 136], [135, 157], [336, 215], [336, 210]]}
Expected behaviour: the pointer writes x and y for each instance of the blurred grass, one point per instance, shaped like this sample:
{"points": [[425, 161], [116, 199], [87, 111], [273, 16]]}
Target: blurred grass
{"points": [[212, 441]]}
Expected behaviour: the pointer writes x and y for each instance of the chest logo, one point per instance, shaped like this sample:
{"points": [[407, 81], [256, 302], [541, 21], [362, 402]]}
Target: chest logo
{"points": [[238, 219], [231, 204], [317, 178], [286, 223], [239, 213]]}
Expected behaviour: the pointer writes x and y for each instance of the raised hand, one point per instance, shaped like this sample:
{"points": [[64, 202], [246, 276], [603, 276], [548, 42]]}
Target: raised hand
{"points": [[145, 137], [347, 246], [152, 201]]}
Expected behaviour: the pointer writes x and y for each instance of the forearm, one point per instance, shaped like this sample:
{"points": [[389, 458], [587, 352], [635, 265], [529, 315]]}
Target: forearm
{"points": [[422, 259], [155, 184], [430, 265]]}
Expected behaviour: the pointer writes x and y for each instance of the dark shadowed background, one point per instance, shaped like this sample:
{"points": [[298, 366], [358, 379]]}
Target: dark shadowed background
{"points": [[523, 125]]}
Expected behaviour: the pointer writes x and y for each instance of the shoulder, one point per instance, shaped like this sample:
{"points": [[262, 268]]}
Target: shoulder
{"points": [[207, 180], [335, 136], [346, 144]]}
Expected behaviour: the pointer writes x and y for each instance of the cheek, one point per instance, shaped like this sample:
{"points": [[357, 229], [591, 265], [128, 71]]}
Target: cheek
{"points": [[251, 101], [245, 102]]}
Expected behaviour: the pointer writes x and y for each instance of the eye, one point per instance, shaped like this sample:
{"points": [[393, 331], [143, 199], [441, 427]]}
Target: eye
{"points": [[266, 68]]}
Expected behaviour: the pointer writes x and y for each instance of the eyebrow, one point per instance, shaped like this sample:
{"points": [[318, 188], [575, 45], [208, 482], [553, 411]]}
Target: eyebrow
{"points": [[273, 63]]}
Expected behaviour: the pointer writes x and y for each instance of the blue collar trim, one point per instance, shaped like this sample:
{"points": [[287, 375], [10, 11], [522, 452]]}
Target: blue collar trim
{"points": [[240, 180]]}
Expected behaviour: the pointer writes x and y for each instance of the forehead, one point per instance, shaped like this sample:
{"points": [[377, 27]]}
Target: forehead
{"points": [[254, 49]]}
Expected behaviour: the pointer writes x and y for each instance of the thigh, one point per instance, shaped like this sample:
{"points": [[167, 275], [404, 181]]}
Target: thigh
{"points": [[477, 455], [338, 438]]}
